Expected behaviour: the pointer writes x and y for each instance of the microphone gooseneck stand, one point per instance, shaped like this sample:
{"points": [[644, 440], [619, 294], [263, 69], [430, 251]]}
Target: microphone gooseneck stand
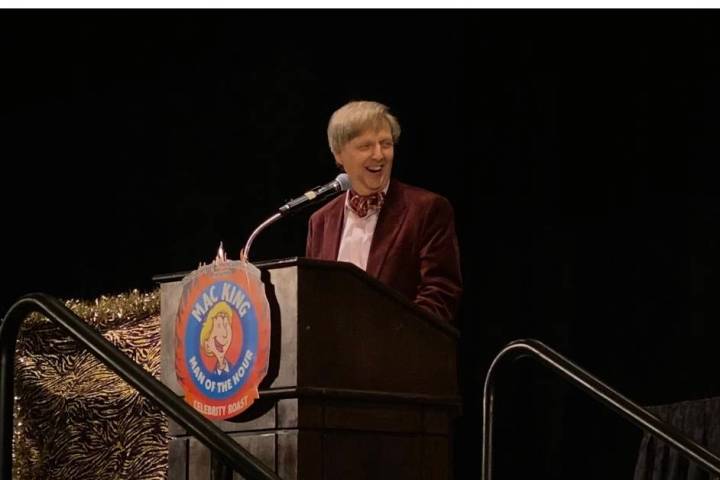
{"points": [[340, 184], [245, 255]]}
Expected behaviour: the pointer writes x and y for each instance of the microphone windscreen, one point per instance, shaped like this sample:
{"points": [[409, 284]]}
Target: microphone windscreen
{"points": [[344, 181]]}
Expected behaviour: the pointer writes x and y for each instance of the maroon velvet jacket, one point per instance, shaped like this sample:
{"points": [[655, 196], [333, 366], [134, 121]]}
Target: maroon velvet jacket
{"points": [[414, 248]]}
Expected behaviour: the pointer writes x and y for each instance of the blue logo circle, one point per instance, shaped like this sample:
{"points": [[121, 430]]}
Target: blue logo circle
{"points": [[219, 385]]}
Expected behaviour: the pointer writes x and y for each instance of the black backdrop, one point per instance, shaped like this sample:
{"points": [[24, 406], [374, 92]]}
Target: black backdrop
{"points": [[578, 148]]}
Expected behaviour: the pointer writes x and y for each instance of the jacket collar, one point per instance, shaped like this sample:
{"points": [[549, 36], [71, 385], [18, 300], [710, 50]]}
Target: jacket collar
{"points": [[388, 225]]}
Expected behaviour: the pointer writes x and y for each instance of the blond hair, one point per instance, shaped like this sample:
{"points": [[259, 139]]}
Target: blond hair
{"points": [[353, 118], [221, 309]]}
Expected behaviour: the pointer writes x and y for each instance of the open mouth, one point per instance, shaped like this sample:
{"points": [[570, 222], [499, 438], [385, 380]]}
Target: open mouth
{"points": [[219, 346], [374, 169]]}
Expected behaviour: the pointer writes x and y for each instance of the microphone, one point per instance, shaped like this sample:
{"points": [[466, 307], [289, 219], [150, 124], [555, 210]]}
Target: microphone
{"points": [[340, 184]]}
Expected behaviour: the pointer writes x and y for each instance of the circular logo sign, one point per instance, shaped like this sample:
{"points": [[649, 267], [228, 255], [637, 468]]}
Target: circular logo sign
{"points": [[222, 338]]}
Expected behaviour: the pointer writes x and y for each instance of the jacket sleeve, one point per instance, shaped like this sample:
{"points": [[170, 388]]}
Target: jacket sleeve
{"points": [[440, 285]]}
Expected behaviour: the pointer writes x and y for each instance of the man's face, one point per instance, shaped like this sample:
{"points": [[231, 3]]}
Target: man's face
{"points": [[220, 337], [368, 159]]}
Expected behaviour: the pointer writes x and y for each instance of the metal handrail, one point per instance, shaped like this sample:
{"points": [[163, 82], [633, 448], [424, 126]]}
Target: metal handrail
{"points": [[597, 390], [236, 457]]}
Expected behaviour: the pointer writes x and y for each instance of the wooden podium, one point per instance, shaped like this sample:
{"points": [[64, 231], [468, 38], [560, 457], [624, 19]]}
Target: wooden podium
{"points": [[362, 384]]}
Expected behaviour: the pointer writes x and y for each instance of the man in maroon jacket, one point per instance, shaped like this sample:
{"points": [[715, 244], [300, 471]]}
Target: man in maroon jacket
{"points": [[402, 235]]}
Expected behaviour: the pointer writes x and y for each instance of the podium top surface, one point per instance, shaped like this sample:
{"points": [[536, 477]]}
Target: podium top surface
{"points": [[330, 265]]}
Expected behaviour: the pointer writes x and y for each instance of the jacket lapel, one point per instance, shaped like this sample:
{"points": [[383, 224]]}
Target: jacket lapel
{"points": [[389, 223], [334, 225]]}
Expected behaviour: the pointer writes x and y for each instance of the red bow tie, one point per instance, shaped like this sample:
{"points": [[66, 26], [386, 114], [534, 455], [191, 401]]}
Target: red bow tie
{"points": [[364, 204]]}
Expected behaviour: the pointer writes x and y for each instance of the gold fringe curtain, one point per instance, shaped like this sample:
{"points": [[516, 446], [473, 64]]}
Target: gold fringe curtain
{"points": [[74, 418]]}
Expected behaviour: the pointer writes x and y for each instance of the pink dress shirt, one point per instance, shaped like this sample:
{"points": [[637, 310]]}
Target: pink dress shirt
{"points": [[357, 235]]}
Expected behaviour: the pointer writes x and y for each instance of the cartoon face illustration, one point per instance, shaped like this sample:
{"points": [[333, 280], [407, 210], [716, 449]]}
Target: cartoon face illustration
{"points": [[216, 335]]}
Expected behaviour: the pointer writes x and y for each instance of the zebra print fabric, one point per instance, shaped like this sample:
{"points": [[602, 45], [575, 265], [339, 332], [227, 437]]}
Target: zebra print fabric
{"points": [[74, 418]]}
